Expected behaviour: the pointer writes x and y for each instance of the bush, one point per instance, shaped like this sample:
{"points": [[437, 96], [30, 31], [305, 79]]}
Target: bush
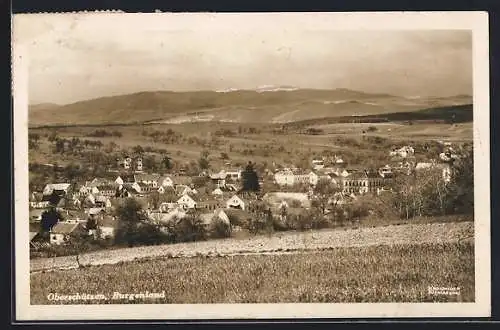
{"points": [[188, 229], [219, 229]]}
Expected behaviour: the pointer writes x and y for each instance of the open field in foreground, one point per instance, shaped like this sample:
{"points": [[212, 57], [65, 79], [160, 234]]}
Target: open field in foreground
{"points": [[410, 234], [386, 273]]}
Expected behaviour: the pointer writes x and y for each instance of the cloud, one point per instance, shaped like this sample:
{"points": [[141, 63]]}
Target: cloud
{"points": [[86, 57]]}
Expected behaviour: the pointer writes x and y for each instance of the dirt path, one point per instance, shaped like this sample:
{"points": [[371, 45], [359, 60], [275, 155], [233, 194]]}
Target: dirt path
{"points": [[278, 243]]}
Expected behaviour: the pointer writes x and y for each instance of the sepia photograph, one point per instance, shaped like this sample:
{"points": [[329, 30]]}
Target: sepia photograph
{"points": [[266, 165]]}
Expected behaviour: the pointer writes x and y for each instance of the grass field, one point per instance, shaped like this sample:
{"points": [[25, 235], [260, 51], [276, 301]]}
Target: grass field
{"points": [[400, 273], [265, 147]]}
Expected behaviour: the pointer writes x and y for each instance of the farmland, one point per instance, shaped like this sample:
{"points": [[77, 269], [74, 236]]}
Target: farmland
{"points": [[383, 273]]}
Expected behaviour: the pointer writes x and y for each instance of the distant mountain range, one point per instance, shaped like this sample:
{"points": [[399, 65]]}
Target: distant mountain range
{"points": [[266, 104]]}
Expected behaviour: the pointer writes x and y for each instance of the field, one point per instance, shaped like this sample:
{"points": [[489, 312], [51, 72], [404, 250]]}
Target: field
{"points": [[386, 273], [264, 148]]}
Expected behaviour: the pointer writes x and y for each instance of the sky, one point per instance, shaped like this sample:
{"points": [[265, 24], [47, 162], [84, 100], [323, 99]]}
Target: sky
{"points": [[79, 57]]}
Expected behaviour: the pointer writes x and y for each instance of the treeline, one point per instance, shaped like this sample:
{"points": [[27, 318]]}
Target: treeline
{"points": [[105, 133]]}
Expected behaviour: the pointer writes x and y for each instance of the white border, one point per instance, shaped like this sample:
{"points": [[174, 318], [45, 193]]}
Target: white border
{"points": [[475, 21]]}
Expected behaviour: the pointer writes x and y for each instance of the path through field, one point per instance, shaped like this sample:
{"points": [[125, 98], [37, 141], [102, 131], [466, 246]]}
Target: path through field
{"points": [[277, 243]]}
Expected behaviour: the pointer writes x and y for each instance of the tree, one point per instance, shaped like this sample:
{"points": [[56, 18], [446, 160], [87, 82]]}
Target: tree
{"points": [[167, 162], [325, 194], [138, 150], [250, 179], [203, 163], [50, 218], [131, 217], [461, 186]]}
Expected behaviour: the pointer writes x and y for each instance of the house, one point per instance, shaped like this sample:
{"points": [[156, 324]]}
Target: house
{"points": [[144, 187], [127, 178], [341, 198], [102, 201], [210, 217], [161, 190], [284, 178], [285, 213], [363, 182], [232, 174], [122, 192], [148, 179], [37, 201], [138, 165], [218, 178], [108, 190], [34, 229], [132, 187], [167, 217], [184, 190], [402, 152], [210, 204], [237, 217], [385, 172], [279, 199], [187, 202], [338, 161], [182, 180], [119, 181], [235, 202], [62, 232], [318, 164], [61, 189], [95, 211], [166, 207], [107, 226], [217, 192], [36, 215], [443, 167], [310, 178], [165, 181]]}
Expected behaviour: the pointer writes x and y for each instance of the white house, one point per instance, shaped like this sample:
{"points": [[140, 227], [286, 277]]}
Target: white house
{"points": [[217, 192], [36, 215], [385, 171], [284, 178], [165, 181], [60, 187], [445, 168], [107, 227], [166, 207], [208, 218], [236, 203], [102, 201], [119, 181], [187, 202], [403, 152], [318, 164], [148, 179], [277, 198], [167, 217], [62, 232]]}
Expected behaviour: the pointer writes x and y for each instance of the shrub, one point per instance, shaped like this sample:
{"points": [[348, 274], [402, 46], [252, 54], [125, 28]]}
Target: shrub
{"points": [[188, 229], [219, 229]]}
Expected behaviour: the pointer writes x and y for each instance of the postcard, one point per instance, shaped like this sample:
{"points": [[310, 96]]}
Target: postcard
{"points": [[251, 165]]}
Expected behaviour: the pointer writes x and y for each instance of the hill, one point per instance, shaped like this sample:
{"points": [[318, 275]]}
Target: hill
{"points": [[280, 105]]}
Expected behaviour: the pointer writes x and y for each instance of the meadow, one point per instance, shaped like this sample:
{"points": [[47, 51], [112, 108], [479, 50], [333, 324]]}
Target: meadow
{"points": [[384, 273], [266, 146]]}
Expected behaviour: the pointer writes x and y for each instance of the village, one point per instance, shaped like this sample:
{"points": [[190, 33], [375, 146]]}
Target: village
{"points": [[88, 208]]}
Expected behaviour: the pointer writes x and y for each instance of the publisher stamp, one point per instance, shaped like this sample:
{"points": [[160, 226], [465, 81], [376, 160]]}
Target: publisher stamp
{"points": [[443, 291]]}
